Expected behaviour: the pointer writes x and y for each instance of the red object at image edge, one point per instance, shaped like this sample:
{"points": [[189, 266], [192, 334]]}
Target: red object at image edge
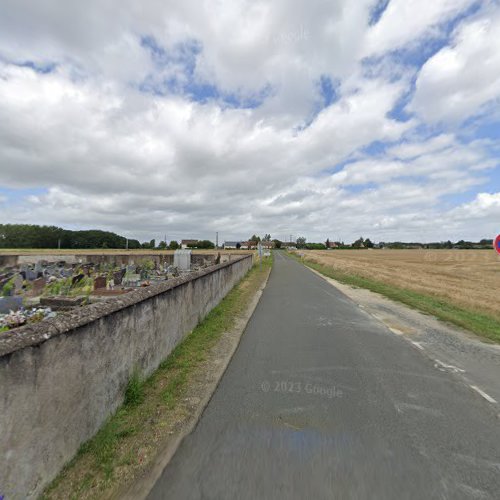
{"points": [[497, 244]]}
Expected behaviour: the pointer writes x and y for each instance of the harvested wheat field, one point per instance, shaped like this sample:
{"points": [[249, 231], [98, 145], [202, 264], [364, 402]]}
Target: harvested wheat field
{"points": [[466, 278]]}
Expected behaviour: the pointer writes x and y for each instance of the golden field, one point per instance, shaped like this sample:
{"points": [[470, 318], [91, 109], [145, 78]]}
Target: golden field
{"points": [[466, 278]]}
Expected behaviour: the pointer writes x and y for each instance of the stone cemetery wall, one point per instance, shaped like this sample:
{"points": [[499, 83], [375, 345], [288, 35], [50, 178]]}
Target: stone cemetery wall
{"points": [[113, 259], [61, 378]]}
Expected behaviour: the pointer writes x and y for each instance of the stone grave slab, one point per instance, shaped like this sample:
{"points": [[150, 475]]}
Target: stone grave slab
{"points": [[8, 304], [100, 282]]}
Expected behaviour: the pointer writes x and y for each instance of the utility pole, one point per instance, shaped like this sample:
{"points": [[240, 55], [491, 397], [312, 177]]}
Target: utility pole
{"points": [[59, 244], [126, 243]]}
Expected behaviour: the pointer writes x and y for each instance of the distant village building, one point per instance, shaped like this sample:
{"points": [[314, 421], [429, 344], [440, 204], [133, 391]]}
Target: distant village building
{"points": [[333, 244], [185, 243], [247, 245], [232, 245]]}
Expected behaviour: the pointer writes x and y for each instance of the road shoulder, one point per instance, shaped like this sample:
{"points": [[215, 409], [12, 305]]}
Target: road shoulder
{"points": [[451, 348]]}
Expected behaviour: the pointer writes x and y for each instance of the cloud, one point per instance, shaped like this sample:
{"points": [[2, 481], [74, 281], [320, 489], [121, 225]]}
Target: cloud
{"points": [[463, 78], [406, 21]]}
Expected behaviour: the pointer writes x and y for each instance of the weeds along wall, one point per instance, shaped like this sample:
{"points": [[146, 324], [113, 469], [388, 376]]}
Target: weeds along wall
{"points": [[60, 379]]}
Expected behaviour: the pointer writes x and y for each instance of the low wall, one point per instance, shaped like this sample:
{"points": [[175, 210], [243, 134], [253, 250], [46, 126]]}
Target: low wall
{"points": [[60, 379], [115, 259]]}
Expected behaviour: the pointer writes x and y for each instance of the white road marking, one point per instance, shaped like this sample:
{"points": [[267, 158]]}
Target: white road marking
{"points": [[418, 345], [483, 394], [439, 364], [402, 407], [395, 330]]}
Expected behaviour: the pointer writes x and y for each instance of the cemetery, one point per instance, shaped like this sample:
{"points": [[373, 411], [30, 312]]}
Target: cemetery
{"points": [[34, 291]]}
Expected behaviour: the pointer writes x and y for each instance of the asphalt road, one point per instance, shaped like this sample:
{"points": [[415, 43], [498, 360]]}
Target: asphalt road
{"points": [[322, 401]]}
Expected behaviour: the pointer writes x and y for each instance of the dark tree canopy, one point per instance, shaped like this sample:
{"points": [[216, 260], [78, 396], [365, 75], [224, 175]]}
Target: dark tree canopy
{"points": [[201, 244], [32, 236]]}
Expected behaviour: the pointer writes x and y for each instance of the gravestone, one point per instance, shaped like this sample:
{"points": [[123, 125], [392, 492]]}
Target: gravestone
{"points": [[76, 279], [8, 304], [50, 269], [38, 286], [99, 282], [67, 272], [38, 269], [131, 279], [118, 276], [31, 275], [18, 283], [182, 260]]}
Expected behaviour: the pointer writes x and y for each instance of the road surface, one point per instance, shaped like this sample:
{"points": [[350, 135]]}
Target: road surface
{"points": [[322, 401]]}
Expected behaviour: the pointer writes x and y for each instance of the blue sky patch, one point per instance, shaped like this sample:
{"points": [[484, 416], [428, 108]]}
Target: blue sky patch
{"points": [[181, 59]]}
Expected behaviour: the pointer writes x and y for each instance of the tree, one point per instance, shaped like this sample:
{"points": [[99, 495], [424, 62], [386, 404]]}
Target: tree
{"points": [[486, 242], [267, 237], [173, 245], [162, 245], [327, 243], [368, 243], [32, 236], [255, 238], [152, 244], [201, 244], [315, 246], [277, 243], [301, 242], [359, 243]]}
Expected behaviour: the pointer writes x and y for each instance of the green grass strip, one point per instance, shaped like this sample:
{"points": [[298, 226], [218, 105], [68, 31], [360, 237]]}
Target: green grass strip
{"points": [[477, 322]]}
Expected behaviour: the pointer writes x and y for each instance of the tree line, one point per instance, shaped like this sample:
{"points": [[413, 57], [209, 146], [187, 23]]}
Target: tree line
{"points": [[361, 242], [33, 236]]}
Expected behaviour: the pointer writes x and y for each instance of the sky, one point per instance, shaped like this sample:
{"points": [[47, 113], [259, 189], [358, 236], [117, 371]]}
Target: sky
{"points": [[324, 119]]}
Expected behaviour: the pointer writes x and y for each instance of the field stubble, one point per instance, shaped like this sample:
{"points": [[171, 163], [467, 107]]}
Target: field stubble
{"points": [[465, 278]]}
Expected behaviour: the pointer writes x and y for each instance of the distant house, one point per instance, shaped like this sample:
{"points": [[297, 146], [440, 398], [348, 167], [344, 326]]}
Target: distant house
{"points": [[248, 245], [267, 244], [185, 243], [232, 245], [333, 244]]}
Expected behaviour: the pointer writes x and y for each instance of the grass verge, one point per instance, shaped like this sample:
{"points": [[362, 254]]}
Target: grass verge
{"points": [[153, 409], [477, 322]]}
